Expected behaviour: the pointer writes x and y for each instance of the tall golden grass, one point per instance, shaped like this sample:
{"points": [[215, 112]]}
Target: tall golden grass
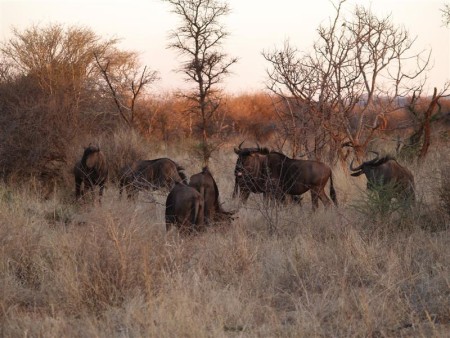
{"points": [[110, 270]]}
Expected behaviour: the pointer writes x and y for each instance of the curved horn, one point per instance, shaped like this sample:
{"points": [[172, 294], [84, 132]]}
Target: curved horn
{"points": [[357, 168], [365, 163], [375, 159], [238, 149]]}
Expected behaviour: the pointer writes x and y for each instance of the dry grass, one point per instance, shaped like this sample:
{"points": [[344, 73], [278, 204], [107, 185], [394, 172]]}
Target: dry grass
{"points": [[110, 270]]}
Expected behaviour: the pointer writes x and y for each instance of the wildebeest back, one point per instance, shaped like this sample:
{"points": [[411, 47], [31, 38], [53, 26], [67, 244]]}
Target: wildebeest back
{"points": [[184, 208], [206, 185]]}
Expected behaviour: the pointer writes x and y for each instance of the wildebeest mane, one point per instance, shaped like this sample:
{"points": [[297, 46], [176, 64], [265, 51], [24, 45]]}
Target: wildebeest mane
{"points": [[279, 154], [383, 160], [183, 176], [249, 151]]}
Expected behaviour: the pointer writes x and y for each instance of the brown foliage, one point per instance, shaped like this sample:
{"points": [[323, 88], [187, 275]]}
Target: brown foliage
{"points": [[52, 99], [252, 114], [169, 119], [36, 129]]}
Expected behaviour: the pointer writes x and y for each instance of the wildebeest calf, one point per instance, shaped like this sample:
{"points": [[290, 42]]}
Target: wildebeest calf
{"points": [[91, 170]]}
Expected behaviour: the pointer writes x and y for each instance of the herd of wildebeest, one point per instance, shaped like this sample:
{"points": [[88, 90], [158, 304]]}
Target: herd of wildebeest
{"points": [[193, 205]]}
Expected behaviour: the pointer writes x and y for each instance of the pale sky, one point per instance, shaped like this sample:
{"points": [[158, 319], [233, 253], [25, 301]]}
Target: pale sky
{"points": [[254, 26]]}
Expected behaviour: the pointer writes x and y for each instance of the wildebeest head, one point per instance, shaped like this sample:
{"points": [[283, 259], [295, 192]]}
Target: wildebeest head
{"points": [[90, 156], [384, 171], [250, 162], [91, 170], [366, 167]]}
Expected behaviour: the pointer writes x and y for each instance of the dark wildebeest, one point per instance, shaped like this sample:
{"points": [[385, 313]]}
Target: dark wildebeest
{"points": [[273, 173], [184, 209], [205, 184], [151, 175], [90, 170], [385, 171]]}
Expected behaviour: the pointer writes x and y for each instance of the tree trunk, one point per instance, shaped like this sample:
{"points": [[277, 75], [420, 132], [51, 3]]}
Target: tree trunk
{"points": [[426, 126]]}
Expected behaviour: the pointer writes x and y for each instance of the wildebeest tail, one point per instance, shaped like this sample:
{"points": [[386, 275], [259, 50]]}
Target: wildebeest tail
{"points": [[198, 214], [332, 191]]}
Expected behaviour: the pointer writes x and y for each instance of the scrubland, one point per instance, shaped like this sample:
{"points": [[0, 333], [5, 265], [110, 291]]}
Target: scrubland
{"points": [[110, 270]]}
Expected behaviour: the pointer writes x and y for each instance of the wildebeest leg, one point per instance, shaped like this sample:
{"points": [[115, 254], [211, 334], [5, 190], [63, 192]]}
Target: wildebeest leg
{"points": [[208, 216], [78, 192], [324, 198], [200, 217], [297, 199], [170, 219], [123, 184], [132, 191], [170, 216], [244, 194], [314, 199], [100, 192], [88, 188], [185, 224]]}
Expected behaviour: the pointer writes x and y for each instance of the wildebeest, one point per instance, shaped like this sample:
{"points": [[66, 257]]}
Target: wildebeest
{"points": [[184, 209], [151, 175], [386, 171], [91, 170], [205, 184], [261, 170]]}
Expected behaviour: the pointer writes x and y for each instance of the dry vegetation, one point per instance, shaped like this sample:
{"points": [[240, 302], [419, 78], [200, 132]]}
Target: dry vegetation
{"points": [[110, 270]]}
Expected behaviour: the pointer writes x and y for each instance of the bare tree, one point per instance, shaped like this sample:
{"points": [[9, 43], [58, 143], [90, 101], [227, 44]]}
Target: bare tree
{"points": [[125, 81], [198, 39], [349, 82], [446, 14], [418, 143]]}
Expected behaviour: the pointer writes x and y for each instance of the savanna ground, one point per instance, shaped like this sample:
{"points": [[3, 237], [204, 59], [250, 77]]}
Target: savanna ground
{"points": [[110, 269]]}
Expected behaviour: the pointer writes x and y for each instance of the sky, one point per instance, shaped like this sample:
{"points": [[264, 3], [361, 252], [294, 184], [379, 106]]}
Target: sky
{"points": [[254, 25]]}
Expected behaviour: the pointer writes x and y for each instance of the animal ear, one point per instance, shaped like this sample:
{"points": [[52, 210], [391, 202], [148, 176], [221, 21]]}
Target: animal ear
{"points": [[358, 173]]}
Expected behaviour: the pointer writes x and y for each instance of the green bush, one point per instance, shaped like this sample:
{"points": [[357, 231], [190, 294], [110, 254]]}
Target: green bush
{"points": [[382, 201]]}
